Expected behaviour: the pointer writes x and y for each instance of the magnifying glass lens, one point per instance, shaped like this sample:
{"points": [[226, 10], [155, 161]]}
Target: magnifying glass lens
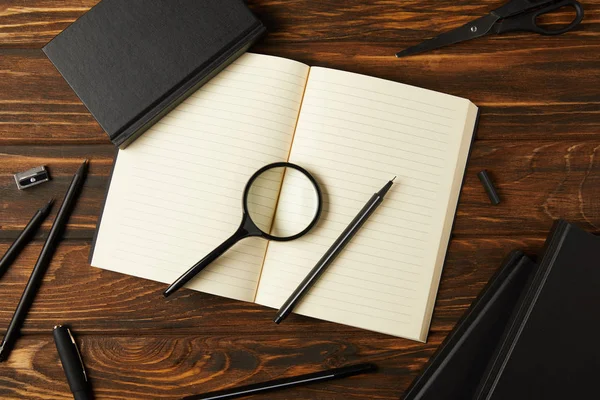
{"points": [[282, 209]]}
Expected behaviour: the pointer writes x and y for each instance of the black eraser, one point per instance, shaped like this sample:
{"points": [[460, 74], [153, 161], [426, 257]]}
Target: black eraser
{"points": [[485, 179]]}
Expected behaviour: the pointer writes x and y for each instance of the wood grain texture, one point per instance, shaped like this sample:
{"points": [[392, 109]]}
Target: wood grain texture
{"points": [[38, 105], [102, 301], [538, 136], [539, 181], [173, 366]]}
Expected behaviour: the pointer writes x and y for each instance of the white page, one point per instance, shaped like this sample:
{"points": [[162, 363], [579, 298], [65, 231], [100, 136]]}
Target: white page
{"points": [[355, 133], [176, 191]]}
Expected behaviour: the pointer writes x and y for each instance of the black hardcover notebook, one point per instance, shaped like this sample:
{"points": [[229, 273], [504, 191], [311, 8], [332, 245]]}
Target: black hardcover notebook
{"points": [[457, 367], [550, 349], [131, 62]]}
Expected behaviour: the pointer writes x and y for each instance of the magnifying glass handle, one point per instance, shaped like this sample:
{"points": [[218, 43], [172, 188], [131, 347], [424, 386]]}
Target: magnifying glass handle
{"points": [[200, 265]]}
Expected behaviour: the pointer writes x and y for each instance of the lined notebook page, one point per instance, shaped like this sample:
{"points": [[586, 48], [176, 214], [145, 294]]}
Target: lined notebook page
{"points": [[176, 191], [355, 133]]}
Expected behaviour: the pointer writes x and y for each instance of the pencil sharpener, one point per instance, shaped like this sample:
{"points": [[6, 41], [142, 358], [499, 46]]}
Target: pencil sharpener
{"points": [[32, 177]]}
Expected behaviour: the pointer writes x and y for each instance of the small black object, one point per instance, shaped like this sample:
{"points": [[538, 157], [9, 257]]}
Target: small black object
{"points": [[72, 363], [329, 256], [32, 177], [35, 280], [248, 228], [485, 179], [133, 61], [285, 383], [15, 249], [516, 15]]}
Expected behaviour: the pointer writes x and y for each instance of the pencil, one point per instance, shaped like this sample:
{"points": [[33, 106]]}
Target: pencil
{"points": [[43, 261], [24, 237]]}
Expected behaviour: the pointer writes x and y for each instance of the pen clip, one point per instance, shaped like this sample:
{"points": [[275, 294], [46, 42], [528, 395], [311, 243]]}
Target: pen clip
{"points": [[78, 354]]}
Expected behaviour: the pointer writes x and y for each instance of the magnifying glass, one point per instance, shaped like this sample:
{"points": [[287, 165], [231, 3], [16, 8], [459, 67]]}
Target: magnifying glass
{"points": [[281, 202]]}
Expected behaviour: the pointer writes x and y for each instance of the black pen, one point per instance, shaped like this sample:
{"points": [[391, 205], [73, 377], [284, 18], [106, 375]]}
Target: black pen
{"points": [[332, 253], [42, 263], [72, 363], [285, 383], [25, 236]]}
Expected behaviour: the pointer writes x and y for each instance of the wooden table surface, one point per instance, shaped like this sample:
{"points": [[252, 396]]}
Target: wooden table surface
{"points": [[538, 135]]}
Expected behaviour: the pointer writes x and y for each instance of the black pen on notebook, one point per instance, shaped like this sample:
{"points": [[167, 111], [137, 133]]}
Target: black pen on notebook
{"points": [[35, 280], [332, 253]]}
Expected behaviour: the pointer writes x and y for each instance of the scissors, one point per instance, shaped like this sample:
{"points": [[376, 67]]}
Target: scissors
{"points": [[517, 15]]}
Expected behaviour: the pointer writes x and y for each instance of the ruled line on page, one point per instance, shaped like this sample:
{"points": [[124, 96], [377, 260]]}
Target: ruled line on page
{"points": [[371, 117], [239, 73], [380, 301], [345, 94], [233, 120], [182, 238], [351, 312], [205, 278], [256, 91], [183, 180], [355, 123], [379, 93], [267, 69], [189, 143], [204, 90], [223, 128], [129, 251], [372, 132], [386, 146], [244, 104], [165, 252], [354, 147], [353, 303], [193, 109]]}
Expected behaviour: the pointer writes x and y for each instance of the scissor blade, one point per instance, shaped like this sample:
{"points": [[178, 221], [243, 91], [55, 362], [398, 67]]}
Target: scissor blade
{"points": [[479, 27]]}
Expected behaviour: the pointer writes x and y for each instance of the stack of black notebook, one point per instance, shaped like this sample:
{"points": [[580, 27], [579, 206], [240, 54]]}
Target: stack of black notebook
{"points": [[531, 334]]}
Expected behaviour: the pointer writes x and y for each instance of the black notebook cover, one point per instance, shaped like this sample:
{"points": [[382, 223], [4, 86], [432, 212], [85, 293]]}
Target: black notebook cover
{"points": [[456, 368], [131, 62], [550, 349]]}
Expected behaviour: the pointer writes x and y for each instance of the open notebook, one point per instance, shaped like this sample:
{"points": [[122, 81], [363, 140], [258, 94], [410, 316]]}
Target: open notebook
{"points": [[176, 192]]}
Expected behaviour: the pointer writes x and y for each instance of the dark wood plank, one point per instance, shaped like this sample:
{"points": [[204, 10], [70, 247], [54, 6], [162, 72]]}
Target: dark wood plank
{"points": [[38, 106], [111, 303], [32, 23], [170, 367], [17, 206], [533, 101], [538, 181]]}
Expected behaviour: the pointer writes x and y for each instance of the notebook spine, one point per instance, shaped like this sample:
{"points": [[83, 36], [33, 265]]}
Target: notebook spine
{"points": [[192, 83], [421, 385], [521, 313]]}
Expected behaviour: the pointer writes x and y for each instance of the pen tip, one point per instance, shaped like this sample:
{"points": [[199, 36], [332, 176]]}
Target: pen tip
{"points": [[394, 179], [48, 206], [83, 167]]}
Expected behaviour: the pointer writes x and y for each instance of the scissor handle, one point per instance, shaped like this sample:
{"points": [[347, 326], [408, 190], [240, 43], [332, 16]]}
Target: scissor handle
{"points": [[528, 21], [515, 7]]}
